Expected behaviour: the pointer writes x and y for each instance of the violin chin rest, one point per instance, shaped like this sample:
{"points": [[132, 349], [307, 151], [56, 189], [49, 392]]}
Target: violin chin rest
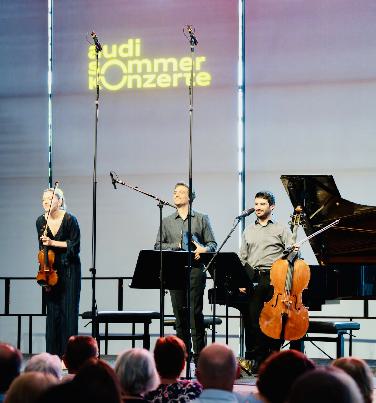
{"points": [[42, 283]]}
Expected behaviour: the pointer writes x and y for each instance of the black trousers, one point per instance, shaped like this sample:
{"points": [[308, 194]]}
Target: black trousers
{"points": [[179, 306], [258, 345]]}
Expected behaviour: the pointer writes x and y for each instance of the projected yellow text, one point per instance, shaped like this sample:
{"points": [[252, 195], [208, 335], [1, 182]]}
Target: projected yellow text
{"points": [[122, 67]]}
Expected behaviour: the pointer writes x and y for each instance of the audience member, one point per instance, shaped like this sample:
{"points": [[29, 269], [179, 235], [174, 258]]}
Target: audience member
{"points": [[279, 371], [360, 372], [79, 349], [46, 363], [61, 393], [28, 387], [96, 382], [136, 371], [10, 366], [217, 370], [325, 385], [170, 356]]}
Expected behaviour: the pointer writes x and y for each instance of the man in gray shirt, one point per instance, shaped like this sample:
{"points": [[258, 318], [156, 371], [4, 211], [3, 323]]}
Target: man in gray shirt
{"points": [[263, 242], [174, 237]]}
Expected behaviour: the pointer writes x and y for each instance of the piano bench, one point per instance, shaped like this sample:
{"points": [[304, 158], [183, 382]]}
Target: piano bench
{"points": [[133, 317], [337, 328], [208, 321]]}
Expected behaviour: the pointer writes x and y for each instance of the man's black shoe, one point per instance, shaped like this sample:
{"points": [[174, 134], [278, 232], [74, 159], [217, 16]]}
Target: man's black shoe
{"points": [[255, 367]]}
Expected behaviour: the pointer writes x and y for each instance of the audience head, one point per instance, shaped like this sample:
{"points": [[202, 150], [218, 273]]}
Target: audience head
{"points": [[325, 385], [217, 367], [136, 371], [279, 371], [46, 363], [79, 349], [10, 365], [63, 392], [29, 386], [170, 354], [360, 372], [96, 382]]}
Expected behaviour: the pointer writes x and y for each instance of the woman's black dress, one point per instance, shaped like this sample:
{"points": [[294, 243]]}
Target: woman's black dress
{"points": [[63, 299]]}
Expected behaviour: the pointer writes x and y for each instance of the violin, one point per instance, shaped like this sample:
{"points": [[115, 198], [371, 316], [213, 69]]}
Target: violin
{"points": [[47, 275], [284, 316]]}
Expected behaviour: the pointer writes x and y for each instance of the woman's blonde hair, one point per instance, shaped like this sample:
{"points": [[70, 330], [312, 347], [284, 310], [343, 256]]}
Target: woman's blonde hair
{"points": [[60, 196]]}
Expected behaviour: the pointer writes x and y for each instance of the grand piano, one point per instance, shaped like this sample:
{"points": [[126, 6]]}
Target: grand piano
{"points": [[346, 252]]}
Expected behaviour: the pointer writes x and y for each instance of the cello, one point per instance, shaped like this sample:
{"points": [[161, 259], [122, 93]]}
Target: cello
{"points": [[284, 316], [47, 275]]}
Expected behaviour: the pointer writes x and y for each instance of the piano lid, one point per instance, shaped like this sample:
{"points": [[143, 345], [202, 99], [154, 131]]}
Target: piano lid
{"points": [[353, 239]]}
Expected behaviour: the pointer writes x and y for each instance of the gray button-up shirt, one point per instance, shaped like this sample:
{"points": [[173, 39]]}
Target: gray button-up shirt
{"points": [[262, 245], [173, 228]]}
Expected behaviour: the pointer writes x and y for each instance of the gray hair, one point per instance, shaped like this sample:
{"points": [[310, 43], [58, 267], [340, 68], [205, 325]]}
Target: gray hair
{"points": [[136, 371], [45, 363]]}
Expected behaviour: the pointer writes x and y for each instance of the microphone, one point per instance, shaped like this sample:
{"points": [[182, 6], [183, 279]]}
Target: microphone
{"points": [[191, 33], [96, 41], [113, 180], [245, 213]]}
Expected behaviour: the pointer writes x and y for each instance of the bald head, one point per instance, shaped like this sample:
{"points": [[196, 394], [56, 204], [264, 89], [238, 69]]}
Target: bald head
{"points": [[217, 367]]}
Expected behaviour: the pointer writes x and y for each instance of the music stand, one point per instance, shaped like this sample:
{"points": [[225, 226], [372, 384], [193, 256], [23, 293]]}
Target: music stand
{"points": [[228, 271], [175, 268], [147, 271]]}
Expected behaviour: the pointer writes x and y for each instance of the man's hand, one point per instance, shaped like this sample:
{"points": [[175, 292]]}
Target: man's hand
{"points": [[243, 290], [292, 248], [199, 249]]}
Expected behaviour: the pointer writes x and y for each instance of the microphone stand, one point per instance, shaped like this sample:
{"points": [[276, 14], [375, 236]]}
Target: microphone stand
{"points": [[161, 204], [236, 222], [98, 48], [189, 33]]}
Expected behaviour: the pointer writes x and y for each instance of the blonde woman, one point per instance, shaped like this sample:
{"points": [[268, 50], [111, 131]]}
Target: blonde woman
{"points": [[63, 237]]}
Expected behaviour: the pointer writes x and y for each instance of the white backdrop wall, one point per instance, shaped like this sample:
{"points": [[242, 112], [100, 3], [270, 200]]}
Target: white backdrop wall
{"points": [[310, 88]]}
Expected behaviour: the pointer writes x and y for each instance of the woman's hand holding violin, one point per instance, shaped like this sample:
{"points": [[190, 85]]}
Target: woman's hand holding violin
{"points": [[46, 240]]}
